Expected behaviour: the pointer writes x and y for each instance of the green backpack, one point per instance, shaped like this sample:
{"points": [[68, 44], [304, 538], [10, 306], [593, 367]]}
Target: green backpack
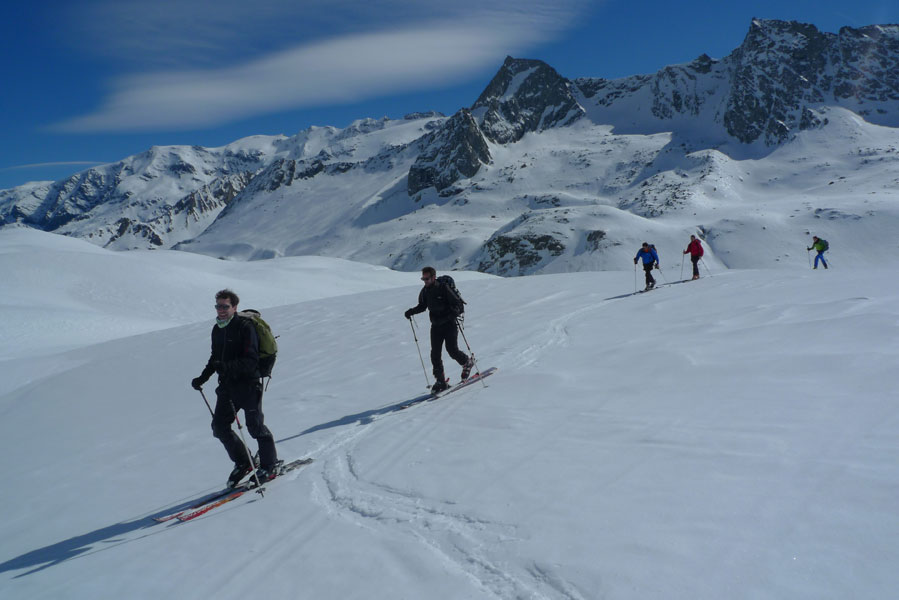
{"points": [[268, 345]]}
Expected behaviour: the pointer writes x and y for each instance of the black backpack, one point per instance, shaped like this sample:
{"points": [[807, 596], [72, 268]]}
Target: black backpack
{"points": [[455, 298]]}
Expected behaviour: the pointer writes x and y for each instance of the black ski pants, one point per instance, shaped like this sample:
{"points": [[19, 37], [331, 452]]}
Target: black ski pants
{"points": [[445, 333], [245, 395], [695, 260], [647, 267]]}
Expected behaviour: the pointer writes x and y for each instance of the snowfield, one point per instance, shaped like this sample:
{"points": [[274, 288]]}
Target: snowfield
{"points": [[732, 437]]}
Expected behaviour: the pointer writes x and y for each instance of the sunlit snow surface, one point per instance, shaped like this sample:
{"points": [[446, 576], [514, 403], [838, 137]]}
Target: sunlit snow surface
{"points": [[732, 437]]}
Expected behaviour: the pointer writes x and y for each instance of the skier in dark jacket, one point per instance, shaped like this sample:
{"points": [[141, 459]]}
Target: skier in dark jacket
{"points": [[694, 248], [820, 246], [650, 259], [444, 307], [235, 357]]}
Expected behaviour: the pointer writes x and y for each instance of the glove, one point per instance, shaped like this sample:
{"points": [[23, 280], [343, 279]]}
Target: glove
{"points": [[657, 266], [635, 261], [408, 314], [197, 383]]}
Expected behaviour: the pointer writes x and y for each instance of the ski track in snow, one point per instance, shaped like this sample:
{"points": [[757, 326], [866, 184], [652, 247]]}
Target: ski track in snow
{"points": [[461, 541]]}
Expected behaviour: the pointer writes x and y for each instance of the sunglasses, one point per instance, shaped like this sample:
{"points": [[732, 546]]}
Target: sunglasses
{"points": [[222, 306], [426, 279]]}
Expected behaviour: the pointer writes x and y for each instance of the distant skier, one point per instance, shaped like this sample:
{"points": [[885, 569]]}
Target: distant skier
{"points": [[444, 307], [694, 249], [235, 357], [650, 259], [821, 246]]}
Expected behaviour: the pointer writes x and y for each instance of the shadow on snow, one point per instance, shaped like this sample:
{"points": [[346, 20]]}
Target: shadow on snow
{"points": [[362, 418], [58, 553]]}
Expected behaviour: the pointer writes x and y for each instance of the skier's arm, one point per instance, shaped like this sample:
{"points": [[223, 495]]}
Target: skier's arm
{"points": [[207, 371], [420, 307]]}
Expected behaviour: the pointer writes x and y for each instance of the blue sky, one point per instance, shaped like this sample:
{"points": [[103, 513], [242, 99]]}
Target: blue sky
{"points": [[94, 81]]}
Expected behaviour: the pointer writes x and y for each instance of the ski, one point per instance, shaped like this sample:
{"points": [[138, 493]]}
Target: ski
{"points": [[475, 377], [203, 502], [187, 515], [225, 496]]}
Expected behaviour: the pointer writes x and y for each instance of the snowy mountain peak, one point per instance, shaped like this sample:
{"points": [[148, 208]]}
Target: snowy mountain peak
{"points": [[541, 174], [525, 96]]}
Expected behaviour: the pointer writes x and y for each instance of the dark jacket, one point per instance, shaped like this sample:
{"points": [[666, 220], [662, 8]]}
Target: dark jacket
{"points": [[440, 301], [235, 352]]}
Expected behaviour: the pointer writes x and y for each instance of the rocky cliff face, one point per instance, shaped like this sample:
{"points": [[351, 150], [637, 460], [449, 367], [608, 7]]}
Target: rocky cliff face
{"points": [[769, 88], [524, 96], [456, 151]]}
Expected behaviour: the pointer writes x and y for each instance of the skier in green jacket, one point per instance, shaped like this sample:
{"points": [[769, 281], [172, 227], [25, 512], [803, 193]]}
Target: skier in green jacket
{"points": [[820, 246]]}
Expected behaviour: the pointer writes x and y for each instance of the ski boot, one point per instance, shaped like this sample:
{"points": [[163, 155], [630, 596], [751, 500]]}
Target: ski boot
{"points": [[265, 474], [240, 471], [439, 386], [466, 369]]}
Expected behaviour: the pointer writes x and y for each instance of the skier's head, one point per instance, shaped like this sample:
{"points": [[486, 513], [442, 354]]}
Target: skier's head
{"points": [[646, 246], [226, 303], [428, 275], [692, 238], [815, 237]]}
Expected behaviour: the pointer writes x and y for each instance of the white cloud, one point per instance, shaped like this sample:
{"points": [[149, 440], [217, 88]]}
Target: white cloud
{"points": [[342, 69], [76, 163]]}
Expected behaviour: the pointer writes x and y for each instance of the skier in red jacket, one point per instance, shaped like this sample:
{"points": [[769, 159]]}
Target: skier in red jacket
{"points": [[695, 250]]}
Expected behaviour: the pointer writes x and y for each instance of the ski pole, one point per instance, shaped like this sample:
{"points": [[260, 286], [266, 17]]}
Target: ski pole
{"points": [[682, 266], [808, 253], [706, 266], [470, 352], [414, 335], [252, 463], [259, 489], [635, 278], [207, 403], [662, 273]]}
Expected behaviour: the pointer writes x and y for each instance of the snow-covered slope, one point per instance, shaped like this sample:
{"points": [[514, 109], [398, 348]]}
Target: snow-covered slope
{"points": [[61, 292], [793, 133], [734, 437]]}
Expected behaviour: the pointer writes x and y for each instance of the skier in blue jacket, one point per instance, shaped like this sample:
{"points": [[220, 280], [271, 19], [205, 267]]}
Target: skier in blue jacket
{"points": [[650, 259]]}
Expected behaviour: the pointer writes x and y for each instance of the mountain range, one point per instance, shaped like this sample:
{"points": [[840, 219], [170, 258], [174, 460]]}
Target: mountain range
{"points": [[795, 132]]}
